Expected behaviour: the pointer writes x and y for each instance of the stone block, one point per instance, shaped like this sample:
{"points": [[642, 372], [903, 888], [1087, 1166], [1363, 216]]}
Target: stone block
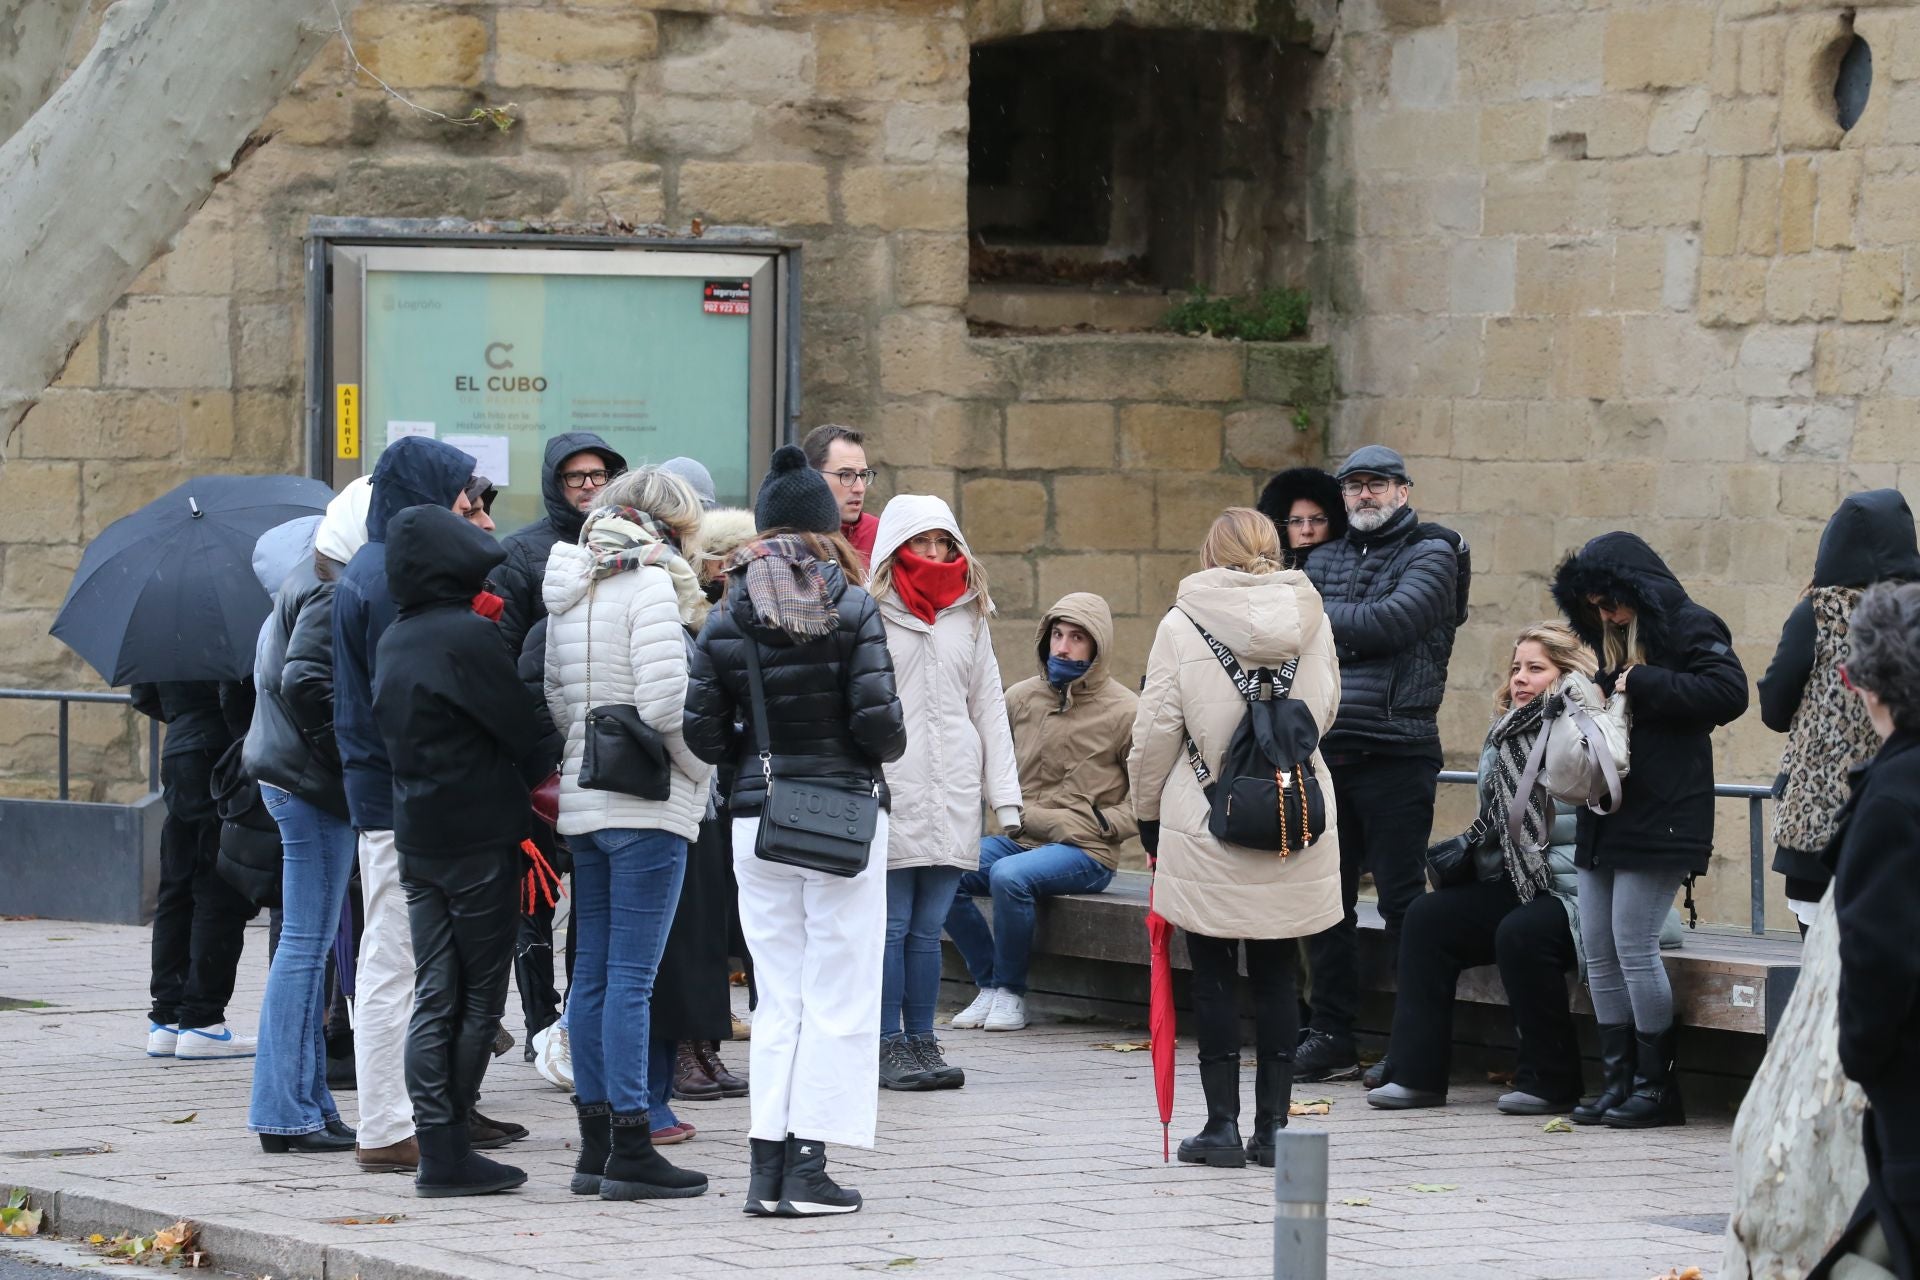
{"points": [[1169, 437], [1113, 577], [1514, 133], [1839, 196], [1889, 213], [102, 424], [1720, 207], [1602, 128], [1417, 141], [627, 189], [768, 193], [1111, 512], [906, 197], [1661, 48], [1806, 287], [926, 133], [967, 434], [1813, 48], [114, 489], [168, 342], [1556, 199], [1100, 367], [1161, 574], [1888, 430], [1004, 515], [269, 353], [1564, 276], [1798, 190], [1658, 191], [1760, 208], [1517, 355], [1674, 356], [1741, 127], [1490, 430], [1482, 277], [1187, 505], [1753, 491], [201, 258], [1424, 68], [412, 47], [37, 577], [1639, 270], [83, 362], [1266, 438], [1849, 361], [267, 430], [207, 426], [936, 482], [1675, 120], [1010, 585], [1705, 430], [891, 60], [1587, 358], [675, 127], [929, 268], [39, 501], [1298, 373], [1733, 291], [1400, 357], [1871, 286], [921, 353], [1550, 56], [1761, 46], [1055, 436], [555, 49], [1802, 430], [1559, 429], [1775, 362]]}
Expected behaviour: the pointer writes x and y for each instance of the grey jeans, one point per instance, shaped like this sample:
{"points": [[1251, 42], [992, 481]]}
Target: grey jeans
{"points": [[1620, 917]]}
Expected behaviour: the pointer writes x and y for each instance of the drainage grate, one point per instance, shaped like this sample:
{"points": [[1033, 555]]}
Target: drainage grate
{"points": [[1707, 1224]]}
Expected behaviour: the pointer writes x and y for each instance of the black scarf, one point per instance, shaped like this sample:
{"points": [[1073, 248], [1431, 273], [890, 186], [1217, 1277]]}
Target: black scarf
{"points": [[1512, 738]]}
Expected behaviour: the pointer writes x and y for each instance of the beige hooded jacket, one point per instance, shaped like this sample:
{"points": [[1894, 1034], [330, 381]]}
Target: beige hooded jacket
{"points": [[1072, 745], [1202, 885]]}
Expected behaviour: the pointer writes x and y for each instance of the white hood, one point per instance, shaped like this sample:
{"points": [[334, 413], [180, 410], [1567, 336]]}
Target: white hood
{"points": [[343, 530], [569, 574], [909, 515]]}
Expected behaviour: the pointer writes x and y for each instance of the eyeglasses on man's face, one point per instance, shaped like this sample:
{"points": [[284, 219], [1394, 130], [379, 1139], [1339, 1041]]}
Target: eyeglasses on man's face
{"points": [[1372, 484], [581, 479], [930, 546], [1305, 522], [847, 477]]}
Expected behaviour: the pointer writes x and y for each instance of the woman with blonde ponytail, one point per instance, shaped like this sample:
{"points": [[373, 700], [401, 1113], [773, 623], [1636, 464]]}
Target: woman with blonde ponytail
{"points": [[1224, 896]]}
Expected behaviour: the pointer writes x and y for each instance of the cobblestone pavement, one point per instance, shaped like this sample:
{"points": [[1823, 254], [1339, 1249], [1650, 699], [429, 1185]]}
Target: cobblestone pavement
{"points": [[1047, 1162]]}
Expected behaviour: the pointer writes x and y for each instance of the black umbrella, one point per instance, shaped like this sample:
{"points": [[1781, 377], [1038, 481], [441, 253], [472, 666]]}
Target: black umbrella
{"points": [[169, 592]]}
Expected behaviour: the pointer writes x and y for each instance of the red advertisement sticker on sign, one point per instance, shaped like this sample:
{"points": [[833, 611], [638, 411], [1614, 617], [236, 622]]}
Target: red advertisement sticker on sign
{"points": [[727, 297]]}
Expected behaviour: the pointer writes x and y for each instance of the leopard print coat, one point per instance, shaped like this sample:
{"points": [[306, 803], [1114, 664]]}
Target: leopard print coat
{"points": [[1829, 735]]}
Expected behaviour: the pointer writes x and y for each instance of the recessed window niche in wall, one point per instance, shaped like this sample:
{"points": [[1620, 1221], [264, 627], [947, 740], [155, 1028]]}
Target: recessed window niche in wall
{"points": [[1853, 83]]}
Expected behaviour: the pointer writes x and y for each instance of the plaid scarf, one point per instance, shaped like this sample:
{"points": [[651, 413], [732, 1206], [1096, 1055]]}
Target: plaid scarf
{"points": [[785, 586], [621, 539], [1512, 738]]}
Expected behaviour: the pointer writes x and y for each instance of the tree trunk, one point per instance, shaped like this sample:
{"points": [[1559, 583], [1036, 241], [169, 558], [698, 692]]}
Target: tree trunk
{"points": [[34, 37], [1798, 1166], [107, 171]]}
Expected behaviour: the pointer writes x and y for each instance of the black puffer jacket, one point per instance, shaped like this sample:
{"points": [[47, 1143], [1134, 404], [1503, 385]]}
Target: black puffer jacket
{"points": [[1690, 684], [290, 743], [1390, 595], [518, 580], [832, 714], [1316, 486]]}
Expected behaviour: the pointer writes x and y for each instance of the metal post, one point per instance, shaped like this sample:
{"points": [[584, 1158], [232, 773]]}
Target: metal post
{"points": [[1756, 868], [63, 748], [1300, 1204]]}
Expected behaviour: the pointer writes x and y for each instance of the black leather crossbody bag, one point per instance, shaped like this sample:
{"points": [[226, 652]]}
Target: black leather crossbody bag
{"points": [[619, 751], [818, 826]]}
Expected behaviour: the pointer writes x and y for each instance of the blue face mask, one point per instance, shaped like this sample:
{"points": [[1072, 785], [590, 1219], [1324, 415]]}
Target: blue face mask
{"points": [[1062, 672]]}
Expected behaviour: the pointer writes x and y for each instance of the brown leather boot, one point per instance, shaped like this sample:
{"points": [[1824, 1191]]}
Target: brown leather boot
{"points": [[692, 1079], [489, 1135], [398, 1157], [731, 1085]]}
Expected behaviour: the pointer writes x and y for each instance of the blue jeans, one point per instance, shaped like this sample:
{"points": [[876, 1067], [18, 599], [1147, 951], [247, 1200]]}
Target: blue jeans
{"points": [[1016, 878], [290, 1070], [661, 1060], [626, 885], [918, 899]]}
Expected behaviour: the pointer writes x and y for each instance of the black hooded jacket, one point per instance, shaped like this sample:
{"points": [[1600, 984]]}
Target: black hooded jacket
{"points": [[413, 471], [290, 744], [519, 579], [1316, 486], [457, 721], [832, 713], [1690, 684], [1869, 539]]}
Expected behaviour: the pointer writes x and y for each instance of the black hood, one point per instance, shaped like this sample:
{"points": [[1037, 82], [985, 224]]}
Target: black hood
{"points": [[1870, 539], [435, 557], [566, 517], [1311, 483], [1620, 567], [415, 470]]}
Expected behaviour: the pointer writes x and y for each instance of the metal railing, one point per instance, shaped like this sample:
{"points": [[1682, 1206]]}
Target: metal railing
{"points": [[1755, 796], [66, 698]]}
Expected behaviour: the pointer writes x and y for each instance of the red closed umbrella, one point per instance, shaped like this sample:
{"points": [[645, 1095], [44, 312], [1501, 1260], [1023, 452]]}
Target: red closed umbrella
{"points": [[1161, 1028]]}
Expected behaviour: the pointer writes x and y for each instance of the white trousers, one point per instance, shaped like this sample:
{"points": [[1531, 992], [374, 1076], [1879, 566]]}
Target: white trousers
{"points": [[818, 942], [383, 997]]}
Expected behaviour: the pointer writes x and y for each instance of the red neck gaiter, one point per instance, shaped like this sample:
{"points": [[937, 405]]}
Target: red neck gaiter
{"points": [[927, 586]]}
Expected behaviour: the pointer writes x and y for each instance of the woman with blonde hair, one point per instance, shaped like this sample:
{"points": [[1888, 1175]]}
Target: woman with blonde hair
{"points": [[618, 605], [1516, 908], [932, 593], [1225, 896]]}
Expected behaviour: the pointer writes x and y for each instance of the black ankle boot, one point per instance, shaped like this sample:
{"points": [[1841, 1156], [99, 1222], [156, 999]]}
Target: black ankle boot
{"points": [[805, 1189], [1218, 1144], [764, 1177], [635, 1171], [1616, 1074], [595, 1145], [449, 1166], [1655, 1101], [1272, 1094]]}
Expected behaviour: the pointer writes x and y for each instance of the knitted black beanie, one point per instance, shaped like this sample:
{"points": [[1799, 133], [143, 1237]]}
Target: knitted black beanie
{"points": [[795, 496]]}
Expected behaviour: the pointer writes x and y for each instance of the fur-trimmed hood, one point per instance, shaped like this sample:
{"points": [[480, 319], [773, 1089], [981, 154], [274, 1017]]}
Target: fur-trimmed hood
{"points": [[1316, 486], [724, 530], [1621, 567]]}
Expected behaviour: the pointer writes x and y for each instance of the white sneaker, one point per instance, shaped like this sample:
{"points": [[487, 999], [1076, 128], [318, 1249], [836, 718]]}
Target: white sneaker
{"points": [[553, 1057], [970, 1018], [1009, 1012], [198, 1044], [161, 1040]]}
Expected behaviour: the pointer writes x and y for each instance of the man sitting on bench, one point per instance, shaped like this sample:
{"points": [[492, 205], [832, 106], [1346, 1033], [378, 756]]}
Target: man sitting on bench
{"points": [[1072, 730]]}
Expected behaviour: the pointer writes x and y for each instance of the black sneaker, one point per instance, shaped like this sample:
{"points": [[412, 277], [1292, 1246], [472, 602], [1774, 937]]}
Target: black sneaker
{"points": [[940, 1073], [1376, 1074], [1322, 1056], [900, 1066]]}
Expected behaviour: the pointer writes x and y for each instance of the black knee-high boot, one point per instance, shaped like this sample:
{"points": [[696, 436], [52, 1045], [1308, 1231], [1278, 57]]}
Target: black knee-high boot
{"points": [[1616, 1073], [1655, 1101], [1272, 1094], [1218, 1144]]}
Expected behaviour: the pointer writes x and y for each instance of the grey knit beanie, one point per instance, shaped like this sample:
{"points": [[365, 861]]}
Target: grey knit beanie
{"points": [[795, 496]]}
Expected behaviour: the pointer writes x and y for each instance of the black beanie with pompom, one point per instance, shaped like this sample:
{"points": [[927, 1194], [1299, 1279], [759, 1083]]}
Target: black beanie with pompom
{"points": [[795, 496]]}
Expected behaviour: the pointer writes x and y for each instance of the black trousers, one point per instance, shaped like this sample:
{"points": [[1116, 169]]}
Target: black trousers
{"points": [[1216, 1009], [463, 915], [1385, 806], [199, 920], [1485, 923]]}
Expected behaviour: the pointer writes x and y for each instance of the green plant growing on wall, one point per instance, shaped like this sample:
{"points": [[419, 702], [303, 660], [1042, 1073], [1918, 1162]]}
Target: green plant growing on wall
{"points": [[1272, 315]]}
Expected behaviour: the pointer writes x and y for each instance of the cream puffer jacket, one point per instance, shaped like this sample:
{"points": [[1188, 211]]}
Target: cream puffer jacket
{"points": [[1202, 885], [638, 650]]}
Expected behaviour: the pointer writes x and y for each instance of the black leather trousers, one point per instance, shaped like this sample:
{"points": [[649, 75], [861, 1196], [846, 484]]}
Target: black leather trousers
{"points": [[464, 916]]}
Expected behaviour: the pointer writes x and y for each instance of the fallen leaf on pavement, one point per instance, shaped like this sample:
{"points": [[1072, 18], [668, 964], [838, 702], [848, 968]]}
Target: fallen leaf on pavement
{"points": [[1499, 1077], [16, 1219], [1357, 1202], [1315, 1107], [1436, 1186], [1676, 1273], [188, 1118], [1122, 1046], [1557, 1125]]}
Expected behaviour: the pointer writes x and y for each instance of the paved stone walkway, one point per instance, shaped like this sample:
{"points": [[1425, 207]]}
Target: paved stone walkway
{"points": [[1047, 1162]]}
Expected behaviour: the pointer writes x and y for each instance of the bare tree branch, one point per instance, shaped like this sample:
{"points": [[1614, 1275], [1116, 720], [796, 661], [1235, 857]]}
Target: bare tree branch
{"points": [[108, 170], [34, 38]]}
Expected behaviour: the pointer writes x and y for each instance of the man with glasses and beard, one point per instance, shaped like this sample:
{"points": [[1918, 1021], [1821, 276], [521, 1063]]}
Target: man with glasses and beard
{"points": [[1389, 587]]}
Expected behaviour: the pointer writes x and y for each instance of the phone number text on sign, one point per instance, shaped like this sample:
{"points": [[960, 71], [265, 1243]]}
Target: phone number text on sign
{"points": [[727, 297]]}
